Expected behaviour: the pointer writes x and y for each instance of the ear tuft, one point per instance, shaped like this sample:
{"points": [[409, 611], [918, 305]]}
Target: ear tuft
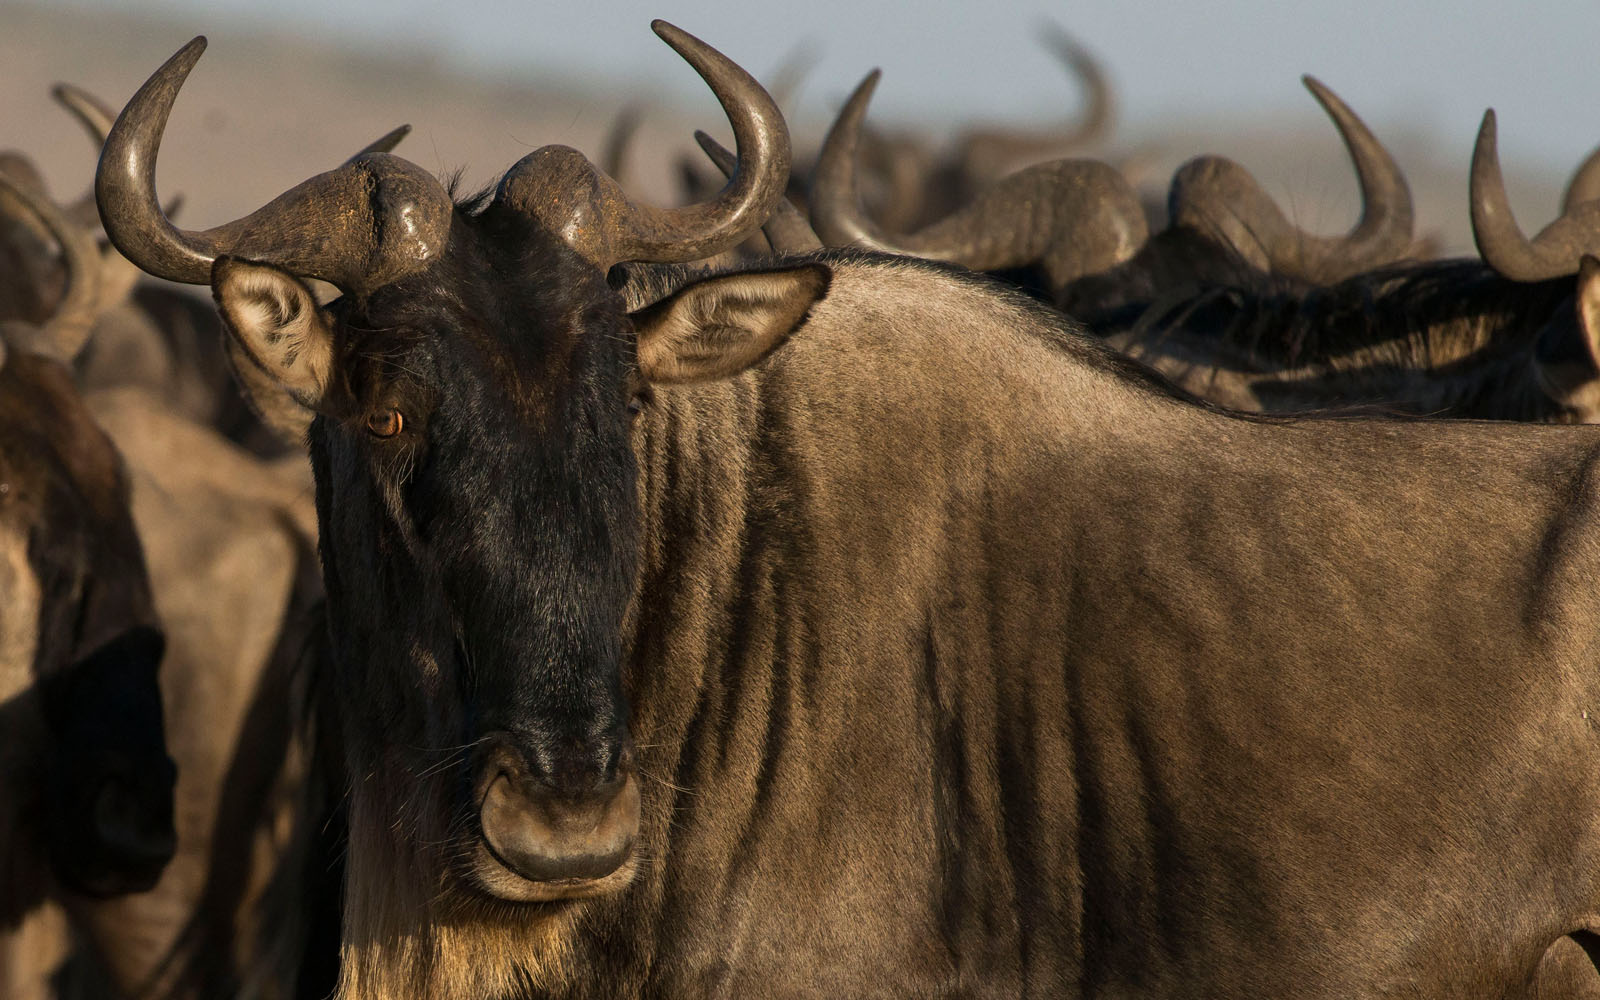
{"points": [[719, 326], [277, 324]]}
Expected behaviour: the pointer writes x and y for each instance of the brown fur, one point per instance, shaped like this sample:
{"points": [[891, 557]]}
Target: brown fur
{"points": [[229, 539], [63, 503], [967, 661], [1447, 338]]}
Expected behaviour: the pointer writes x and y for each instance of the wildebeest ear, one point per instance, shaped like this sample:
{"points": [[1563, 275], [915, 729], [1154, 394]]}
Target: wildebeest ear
{"points": [[1588, 296], [277, 325], [722, 325]]}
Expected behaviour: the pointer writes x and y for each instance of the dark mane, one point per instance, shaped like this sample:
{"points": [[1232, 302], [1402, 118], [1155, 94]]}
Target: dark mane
{"points": [[1413, 315], [1176, 261], [1435, 338], [473, 202]]}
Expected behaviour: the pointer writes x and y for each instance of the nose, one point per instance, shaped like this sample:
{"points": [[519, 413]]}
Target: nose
{"points": [[557, 817], [132, 821]]}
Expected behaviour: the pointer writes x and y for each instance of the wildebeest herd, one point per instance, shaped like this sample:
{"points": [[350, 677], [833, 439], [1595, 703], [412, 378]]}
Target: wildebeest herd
{"points": [[904, 602]]}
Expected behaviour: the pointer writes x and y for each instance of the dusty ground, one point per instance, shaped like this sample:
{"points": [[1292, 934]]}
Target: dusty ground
{"points": [[261, 113]]}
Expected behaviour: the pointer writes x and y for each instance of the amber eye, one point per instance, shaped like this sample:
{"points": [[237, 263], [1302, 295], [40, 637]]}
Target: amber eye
{"points": [[385, 423]]}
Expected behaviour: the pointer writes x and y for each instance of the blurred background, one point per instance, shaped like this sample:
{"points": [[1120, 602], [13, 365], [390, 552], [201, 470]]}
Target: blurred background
{"points": [[290, 87]]}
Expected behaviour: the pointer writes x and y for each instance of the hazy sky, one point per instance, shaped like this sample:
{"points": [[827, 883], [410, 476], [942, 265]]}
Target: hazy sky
{"points": [[1435, 65]]}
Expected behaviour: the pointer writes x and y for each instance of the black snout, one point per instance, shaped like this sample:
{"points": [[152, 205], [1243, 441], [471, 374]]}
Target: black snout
{"points": [[111, 781], [133, 820], [120, 838], [551, 817]]}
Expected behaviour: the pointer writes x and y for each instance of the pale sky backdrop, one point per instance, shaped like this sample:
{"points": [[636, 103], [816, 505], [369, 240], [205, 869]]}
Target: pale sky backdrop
{"points": [[1434, 65]]}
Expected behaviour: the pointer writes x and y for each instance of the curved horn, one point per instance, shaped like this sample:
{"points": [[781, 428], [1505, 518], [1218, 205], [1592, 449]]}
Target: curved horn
{"points": [[23, 172], [117, 275], [787, 231], [985, 153], [24, 176], [1218, 197], [1585, 183], [384, 143], [68, 330], [371, 221], [792, 72], [96, 119], [614, 154], [1554, 253], [586, 208], [90, 111], [1072, 217]]}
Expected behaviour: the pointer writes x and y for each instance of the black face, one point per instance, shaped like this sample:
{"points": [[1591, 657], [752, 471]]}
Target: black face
{"points": [[106, 777], [476, 491], [110, 779]]}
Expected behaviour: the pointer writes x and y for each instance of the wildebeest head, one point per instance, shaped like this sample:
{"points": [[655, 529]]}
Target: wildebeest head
{"points": [[472, 391], [79, 640], [1057, 225]]}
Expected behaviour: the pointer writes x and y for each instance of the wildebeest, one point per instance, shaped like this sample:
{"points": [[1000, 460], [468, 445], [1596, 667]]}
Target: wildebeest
{"points": [[1079, 226], [156, 337], [229, 541], [1513, 336], [912, 178], [87, 806], [855, 626]]}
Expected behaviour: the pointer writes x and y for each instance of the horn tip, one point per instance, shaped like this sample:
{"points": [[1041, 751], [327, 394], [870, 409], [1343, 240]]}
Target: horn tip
{"points": [[1487, 128], [184, 59], [856, 103], [725, 161], [684, 44], [1331, 102], [1054, 36]]}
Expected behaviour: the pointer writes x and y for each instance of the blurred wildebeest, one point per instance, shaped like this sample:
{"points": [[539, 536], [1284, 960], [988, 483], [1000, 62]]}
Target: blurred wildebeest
{"points": [[86, 811], [1244, 309], [147, 334], [230, 542], [1078, 227], [910, 179], [919, 183], [1515, 336], [857, 626]]}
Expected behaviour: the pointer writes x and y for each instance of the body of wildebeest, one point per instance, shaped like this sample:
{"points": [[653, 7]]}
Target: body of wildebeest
{"points": [[1440, 339], [87, 805], [857, 627], [228, 541], [1515, 336]]}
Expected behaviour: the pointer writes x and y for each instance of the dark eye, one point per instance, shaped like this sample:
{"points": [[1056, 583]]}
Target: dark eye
{"points": [[385, 423]]}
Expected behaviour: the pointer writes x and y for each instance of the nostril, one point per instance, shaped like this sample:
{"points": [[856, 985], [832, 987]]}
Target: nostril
{"points": [[581, 770], [131, 834]]}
